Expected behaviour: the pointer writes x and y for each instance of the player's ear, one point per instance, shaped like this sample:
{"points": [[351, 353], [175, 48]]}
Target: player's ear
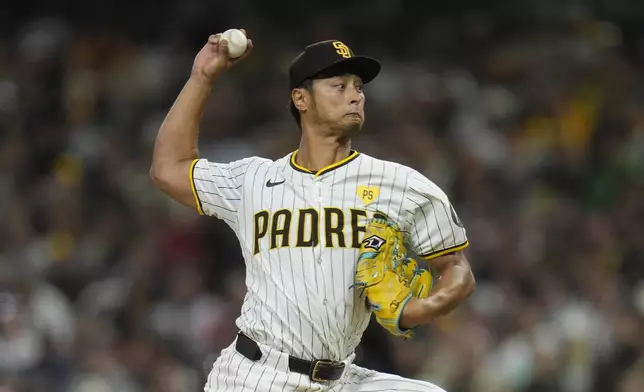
{"points": [[300, 99]]}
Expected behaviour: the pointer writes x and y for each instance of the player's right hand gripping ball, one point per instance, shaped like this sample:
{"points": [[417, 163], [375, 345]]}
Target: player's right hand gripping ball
{"points": [[387, 276]]}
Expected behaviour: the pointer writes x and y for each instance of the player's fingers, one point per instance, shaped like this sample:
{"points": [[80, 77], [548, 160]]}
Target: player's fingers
{"points": [[223, 47], [243, 31], [214, 39]]}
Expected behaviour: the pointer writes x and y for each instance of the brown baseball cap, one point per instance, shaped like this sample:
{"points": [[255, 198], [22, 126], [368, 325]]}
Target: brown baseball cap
{"points": [[331, 57]]}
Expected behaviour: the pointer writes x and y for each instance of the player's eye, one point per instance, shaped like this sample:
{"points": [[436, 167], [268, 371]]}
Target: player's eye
{"points": [[340, 86], [360, 88]]}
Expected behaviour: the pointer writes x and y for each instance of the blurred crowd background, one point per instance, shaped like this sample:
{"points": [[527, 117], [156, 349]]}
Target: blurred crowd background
{"points": [[529, 114]]}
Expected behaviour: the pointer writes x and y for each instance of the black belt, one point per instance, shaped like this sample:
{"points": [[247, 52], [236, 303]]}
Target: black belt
{"points": [[320, 370]]}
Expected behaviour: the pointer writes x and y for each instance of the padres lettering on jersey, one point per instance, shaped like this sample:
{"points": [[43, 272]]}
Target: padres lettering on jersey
{"points": [[300, 232], [277, 227]]}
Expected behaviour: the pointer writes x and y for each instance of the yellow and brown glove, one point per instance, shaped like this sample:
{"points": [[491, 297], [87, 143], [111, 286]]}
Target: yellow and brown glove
{"points": [[387, 276]]}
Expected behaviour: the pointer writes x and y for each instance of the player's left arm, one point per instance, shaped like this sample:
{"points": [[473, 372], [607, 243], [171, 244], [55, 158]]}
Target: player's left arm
{"points": [[454, 283], [438, 237]]}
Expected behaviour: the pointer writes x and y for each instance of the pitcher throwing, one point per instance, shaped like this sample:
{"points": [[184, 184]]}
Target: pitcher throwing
{"points": [[324, 231]]}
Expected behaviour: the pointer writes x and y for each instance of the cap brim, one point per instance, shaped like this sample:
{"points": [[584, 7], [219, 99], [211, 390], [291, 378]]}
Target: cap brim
{"points": [[366, 68]]}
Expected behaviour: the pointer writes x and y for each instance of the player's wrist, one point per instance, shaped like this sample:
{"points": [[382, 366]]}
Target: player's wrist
{"points": [[421, 311], [412, 314], [202, 79]]}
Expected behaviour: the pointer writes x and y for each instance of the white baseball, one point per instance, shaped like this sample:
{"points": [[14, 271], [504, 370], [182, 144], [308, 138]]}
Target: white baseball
{"points": [[237, 42]]}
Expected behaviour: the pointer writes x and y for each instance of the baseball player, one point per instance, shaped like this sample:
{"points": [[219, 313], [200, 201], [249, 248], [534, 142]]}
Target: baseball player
{"points": [[324, 231]]}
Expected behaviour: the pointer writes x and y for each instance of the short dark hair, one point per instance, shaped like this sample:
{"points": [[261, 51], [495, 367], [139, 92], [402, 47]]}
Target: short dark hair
{"points": [[307, 84]]}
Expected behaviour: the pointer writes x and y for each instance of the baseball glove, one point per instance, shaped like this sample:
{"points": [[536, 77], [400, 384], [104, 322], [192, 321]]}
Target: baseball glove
{"points": [[387, 276]]}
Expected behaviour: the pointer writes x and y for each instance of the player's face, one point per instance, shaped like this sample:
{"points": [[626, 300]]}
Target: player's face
{"points": [[339, 103]]}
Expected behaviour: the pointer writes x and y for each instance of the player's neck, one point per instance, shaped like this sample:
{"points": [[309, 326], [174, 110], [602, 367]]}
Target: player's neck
{"points": [[317, 152]]}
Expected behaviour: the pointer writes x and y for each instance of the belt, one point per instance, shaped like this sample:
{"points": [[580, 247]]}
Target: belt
{"points": [[319, 370]]}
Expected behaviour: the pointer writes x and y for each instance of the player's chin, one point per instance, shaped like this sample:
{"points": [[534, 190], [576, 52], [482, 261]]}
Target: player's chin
{"points": [[352, 125]]}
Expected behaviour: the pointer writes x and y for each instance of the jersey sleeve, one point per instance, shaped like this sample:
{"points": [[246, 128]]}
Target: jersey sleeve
{"points": [[436, 228], [218, 187]]}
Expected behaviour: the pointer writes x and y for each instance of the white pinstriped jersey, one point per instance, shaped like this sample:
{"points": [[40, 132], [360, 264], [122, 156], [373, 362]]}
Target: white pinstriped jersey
{"points": [[300, 233]]}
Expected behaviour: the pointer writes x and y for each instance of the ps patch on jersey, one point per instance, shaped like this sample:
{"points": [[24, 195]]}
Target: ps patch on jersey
{"points": [[368, 194]]}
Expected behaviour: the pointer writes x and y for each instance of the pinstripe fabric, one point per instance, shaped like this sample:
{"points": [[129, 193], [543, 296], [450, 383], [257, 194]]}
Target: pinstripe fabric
{"points": [[435, 227], [299, 233], [359, 379], [235, 373]]}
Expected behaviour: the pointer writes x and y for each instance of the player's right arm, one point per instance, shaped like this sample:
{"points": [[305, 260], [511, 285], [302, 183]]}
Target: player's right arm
{"points": [[175, 155]]}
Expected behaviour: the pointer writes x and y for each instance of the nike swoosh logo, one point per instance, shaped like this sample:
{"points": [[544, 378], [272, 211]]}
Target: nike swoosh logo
{"points": [[271, 184]]}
